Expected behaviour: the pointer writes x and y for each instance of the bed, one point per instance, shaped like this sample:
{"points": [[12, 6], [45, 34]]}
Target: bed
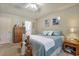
{"points": [[39, 48]]}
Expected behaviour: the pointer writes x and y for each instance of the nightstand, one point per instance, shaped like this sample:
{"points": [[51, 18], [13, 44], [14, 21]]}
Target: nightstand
{"points": [[71, 46]]}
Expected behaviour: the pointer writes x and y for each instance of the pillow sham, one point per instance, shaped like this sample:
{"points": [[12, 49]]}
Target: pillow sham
{"points": [[50, 33], [45, 33], [57, 33]]}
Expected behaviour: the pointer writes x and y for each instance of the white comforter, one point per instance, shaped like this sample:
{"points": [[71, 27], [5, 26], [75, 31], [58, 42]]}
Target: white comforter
{"points": [[47, 42]]}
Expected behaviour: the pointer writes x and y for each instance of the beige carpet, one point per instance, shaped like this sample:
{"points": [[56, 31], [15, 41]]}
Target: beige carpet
{"points": [[9, 50], [14, 50]]}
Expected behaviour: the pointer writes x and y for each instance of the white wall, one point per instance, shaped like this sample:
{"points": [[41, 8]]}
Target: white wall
{"points": [[69, 19]]}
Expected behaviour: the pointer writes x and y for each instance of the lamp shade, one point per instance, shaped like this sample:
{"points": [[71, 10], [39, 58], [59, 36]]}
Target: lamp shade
{"points": [[72, 30]]}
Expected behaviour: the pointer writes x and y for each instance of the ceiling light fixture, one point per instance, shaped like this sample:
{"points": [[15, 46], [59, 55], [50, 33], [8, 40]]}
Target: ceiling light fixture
{"points": [[33, 6]]}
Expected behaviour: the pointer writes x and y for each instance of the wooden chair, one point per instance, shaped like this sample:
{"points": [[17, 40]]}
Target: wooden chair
{"points": [[28, 51]]}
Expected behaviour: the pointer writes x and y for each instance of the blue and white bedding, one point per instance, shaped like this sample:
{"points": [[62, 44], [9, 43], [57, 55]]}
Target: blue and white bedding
{"points": [[52, 33], [45, 45], [47, 42]]}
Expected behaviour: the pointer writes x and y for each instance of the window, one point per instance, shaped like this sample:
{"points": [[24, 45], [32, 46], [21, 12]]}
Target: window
{"points": [[28, 26]]}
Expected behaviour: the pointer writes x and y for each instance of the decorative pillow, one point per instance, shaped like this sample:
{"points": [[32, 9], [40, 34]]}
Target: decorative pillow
{"points": [[50, 33], [45, 33], [57, 33]]}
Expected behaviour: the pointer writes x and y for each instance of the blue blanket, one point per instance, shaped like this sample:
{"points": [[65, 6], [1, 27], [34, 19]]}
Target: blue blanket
{"points": [[39, 49]]}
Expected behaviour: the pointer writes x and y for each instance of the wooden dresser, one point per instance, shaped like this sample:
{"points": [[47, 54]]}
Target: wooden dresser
{"points": [[17, 34]]}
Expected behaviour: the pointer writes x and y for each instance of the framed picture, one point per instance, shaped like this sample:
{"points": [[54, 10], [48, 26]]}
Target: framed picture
{"points": [[56, 21], [46, 23]]}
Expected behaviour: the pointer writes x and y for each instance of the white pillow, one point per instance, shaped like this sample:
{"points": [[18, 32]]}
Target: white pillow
{"points": [[57, 33], [50, 33], [45, 33]]}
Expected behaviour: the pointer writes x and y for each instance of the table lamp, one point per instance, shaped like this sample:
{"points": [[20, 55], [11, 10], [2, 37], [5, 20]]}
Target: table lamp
{"points": [[72, 35]]}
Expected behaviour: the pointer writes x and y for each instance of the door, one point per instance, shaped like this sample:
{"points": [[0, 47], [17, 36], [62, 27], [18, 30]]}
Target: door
{"points": [[5, 30]]}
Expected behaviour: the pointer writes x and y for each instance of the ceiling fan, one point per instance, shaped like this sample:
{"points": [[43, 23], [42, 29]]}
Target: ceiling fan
{"points": [[33, 6]]}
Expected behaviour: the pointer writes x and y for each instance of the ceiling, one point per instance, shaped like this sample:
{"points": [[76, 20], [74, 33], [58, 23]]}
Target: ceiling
{"points": [[45, 8]]}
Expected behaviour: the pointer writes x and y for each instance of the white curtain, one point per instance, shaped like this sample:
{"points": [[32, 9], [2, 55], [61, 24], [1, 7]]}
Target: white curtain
{"points": [[28, 26]]}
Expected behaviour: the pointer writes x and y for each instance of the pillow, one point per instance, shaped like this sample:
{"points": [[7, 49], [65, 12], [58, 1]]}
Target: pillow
{"points": [[50, 33], [45, 33], [57, 33]]}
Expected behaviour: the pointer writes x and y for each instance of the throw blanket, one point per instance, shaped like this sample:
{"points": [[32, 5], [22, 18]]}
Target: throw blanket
{"points": [[47, 42]]}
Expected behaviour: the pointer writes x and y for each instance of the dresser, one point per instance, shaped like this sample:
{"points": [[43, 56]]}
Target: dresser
{"points": [[17, 34]]}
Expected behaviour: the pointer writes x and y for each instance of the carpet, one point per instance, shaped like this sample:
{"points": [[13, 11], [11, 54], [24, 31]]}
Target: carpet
{"points": [[11, 49]]}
